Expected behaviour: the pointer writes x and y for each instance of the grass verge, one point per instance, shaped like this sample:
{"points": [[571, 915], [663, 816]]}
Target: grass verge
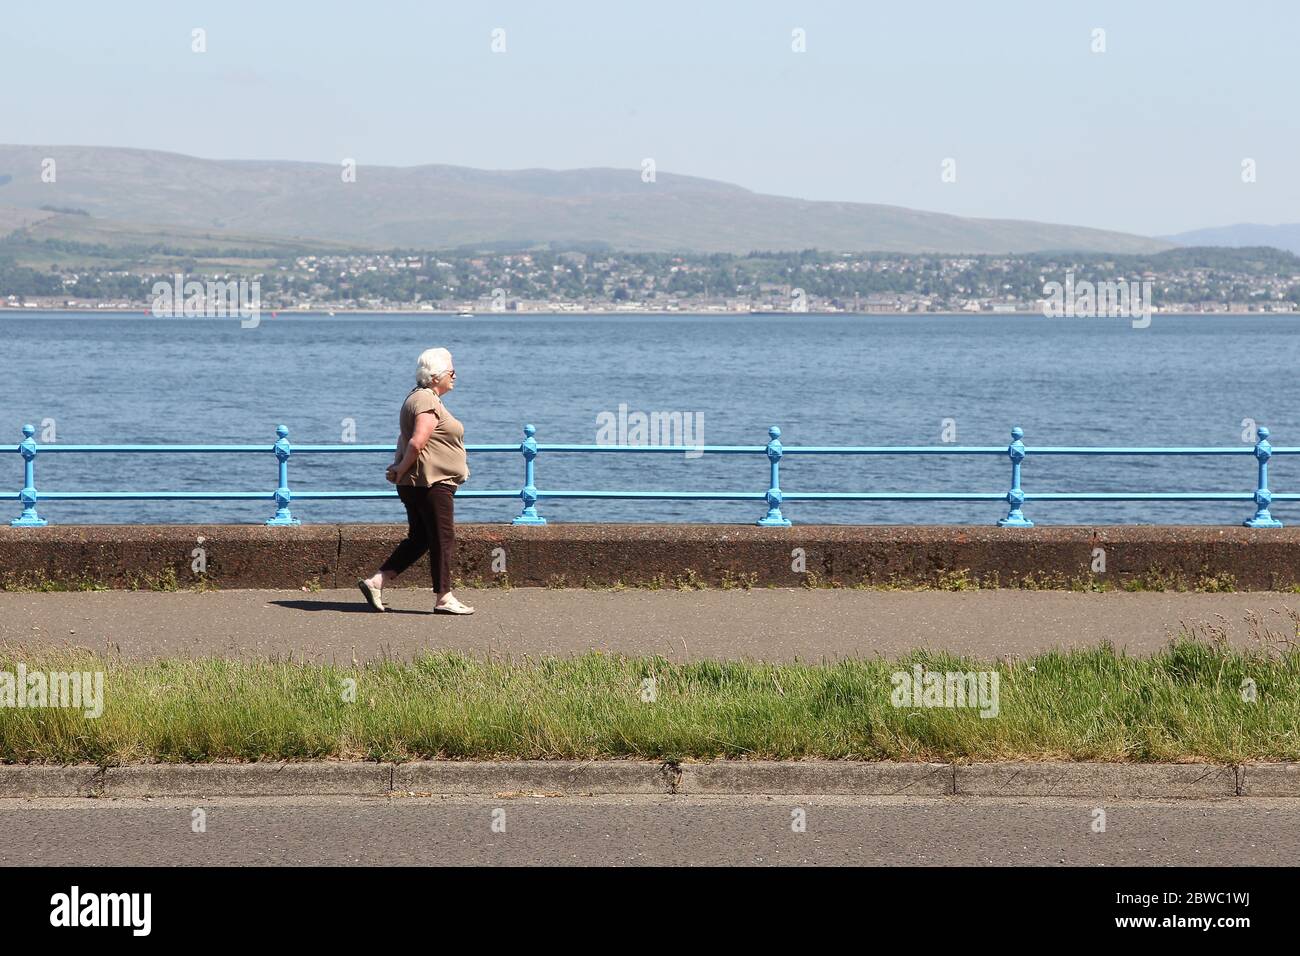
{"points": [[1191, 702]]}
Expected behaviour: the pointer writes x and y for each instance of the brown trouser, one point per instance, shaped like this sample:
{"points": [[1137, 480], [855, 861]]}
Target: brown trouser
{"points": [[429, 513]]}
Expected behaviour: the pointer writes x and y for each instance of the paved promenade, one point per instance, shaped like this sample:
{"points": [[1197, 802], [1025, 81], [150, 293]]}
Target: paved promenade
{"points": [[766, 624], [650, 831]]}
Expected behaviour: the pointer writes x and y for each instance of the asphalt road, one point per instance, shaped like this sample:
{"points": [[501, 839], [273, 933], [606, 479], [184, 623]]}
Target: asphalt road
{"points": [[651, 830], [761, 624]]}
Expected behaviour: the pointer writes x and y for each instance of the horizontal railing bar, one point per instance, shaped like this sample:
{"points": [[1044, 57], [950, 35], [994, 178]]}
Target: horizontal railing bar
{"points": [[461, 493], [1031, 450], [892, 496], [657, 495], [389, 449], [687, 495], [656, 449], [162, 449], [1143, 496], [247, 495], [892, 450], [243, 449], [157, 495], [1029, 496]]}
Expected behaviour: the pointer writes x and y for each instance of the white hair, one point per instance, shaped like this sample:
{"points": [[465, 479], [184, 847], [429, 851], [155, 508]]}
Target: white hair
{"points": [[431, 365]]}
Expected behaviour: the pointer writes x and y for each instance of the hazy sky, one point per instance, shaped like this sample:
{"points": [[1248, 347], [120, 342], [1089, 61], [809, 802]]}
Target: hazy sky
{"points": [[1148, 136]]}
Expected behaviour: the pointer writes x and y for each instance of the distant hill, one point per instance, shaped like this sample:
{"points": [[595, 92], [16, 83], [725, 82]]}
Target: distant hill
{"points": [[11, 218], [130, 191], [1285, 236]]}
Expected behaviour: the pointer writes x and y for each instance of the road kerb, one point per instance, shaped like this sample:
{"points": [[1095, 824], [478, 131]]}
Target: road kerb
{"points": [[567, 777], [813, 777], [1270, 780], [249, 780], [1119, 780], [722, 777], [43, 780]]}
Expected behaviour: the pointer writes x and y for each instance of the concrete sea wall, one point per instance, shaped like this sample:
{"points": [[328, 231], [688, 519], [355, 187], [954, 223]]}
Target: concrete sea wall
{"points": [[575, 555]]}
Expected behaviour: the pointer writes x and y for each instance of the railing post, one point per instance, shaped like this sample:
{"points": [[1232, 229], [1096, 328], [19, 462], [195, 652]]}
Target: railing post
{"points": [[282, 493], [774, 518], [1015, 497], [529, 492], [1263, 497], [27, 448]]}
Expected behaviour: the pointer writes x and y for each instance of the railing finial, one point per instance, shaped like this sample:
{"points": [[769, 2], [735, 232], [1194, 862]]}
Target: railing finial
{"points": [[528, 494], [283, 516], [774, 518], [1015, 497], [1263, 497], [27, 448]]}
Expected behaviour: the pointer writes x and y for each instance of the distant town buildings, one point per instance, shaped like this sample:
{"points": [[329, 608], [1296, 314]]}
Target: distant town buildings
{"points": [[1216, 280]]}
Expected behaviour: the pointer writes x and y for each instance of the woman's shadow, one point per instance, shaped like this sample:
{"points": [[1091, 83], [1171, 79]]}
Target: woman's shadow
{"points": [[347, 607]]}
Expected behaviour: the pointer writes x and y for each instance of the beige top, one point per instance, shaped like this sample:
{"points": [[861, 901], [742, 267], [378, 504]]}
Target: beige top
{"points": [[443, 457]]}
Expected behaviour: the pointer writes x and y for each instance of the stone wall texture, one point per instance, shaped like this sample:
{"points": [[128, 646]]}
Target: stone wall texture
{"points": [[575, 555]]}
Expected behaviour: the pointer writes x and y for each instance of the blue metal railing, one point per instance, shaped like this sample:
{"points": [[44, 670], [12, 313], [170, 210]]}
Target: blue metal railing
{"points": [[529, 494]]}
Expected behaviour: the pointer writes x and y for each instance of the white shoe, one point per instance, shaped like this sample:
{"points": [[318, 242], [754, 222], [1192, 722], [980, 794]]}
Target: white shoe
{"points": [[374, 596], [453, 607]]}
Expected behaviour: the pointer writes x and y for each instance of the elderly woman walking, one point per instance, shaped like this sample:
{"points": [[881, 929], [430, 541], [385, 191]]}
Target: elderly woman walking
{"points": [[430, 465]]}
